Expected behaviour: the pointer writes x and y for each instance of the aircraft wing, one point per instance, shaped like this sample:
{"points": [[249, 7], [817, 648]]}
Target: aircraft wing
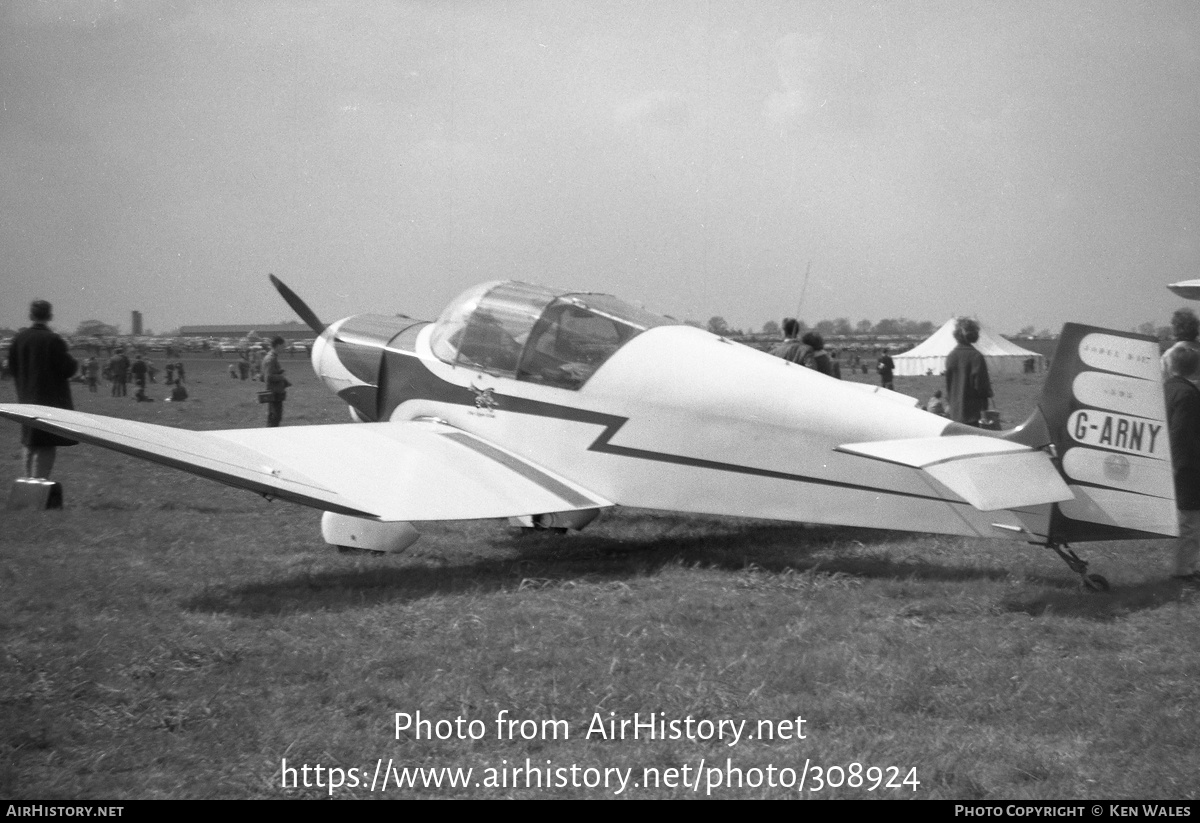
{"points": [[415, 470], [987, 472]]}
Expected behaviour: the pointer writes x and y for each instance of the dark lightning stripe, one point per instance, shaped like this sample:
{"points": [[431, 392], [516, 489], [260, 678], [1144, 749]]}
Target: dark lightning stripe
{"points": [[409, 379], [531, 473], [601, 444]]}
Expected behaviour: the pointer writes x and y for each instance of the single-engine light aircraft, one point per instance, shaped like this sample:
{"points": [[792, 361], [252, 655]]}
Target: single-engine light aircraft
{"points": [[547, 406]]}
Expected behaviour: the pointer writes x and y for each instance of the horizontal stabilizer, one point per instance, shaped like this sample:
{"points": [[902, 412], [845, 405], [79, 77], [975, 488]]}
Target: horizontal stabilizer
{"points": [[415, 470], [1189, 289], [987, 472]]}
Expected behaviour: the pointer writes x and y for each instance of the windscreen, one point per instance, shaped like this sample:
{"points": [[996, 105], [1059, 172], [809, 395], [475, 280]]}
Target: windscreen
{"points": [[535, 334]]}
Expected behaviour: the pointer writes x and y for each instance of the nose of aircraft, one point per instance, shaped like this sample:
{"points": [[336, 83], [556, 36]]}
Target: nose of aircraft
{"points": [[350, 367], [348, 357], [348, 354]]}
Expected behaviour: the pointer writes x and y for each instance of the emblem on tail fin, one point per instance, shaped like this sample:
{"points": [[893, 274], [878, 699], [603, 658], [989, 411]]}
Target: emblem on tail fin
{"points": [[1104, 413]]}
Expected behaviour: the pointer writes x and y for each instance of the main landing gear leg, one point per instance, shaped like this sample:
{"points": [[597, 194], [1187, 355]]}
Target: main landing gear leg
{"points": [[1091, 582]]}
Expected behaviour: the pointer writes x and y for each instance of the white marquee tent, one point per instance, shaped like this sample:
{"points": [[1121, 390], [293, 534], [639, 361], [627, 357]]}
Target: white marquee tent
{"points": [[1003, 356]]}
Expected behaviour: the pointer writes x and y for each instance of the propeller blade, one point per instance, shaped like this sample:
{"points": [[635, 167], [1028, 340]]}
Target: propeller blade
{"points": [[298, 306]]}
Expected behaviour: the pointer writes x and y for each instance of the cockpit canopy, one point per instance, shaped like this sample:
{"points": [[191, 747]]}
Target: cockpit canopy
{"points": [[534, 333]]}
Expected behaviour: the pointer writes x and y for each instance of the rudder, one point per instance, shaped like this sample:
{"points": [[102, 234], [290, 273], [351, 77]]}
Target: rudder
{"points": [[1102, 410]]}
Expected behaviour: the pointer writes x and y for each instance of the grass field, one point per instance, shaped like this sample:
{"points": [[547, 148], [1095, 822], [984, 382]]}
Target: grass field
{"points": [[167, 637]]}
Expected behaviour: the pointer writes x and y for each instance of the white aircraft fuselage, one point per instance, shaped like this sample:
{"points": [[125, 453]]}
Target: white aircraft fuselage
{"points": [[683, 420]]}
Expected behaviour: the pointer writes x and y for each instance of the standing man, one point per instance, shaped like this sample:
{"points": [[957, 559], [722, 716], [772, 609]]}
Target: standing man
{"points": [[118, 370], [886, 368], [276, 383], [41, 367], [91, 373], [140, 370], [968, 388], [791, 348], [258, 353], [1183, 425]]}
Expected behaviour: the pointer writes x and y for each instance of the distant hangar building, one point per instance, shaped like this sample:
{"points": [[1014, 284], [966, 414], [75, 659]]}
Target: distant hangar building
{"points": [[288, 331]]}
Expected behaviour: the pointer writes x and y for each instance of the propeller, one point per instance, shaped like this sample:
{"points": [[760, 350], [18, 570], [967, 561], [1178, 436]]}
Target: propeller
{"points": [[298, 306]]}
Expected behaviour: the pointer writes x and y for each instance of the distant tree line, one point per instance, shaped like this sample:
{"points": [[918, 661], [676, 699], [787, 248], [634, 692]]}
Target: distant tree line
{"points": [[96, 328], [840, 326]]}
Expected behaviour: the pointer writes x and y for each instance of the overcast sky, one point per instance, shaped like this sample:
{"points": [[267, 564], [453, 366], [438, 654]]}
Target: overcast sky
{"points": [[1025, 162]]}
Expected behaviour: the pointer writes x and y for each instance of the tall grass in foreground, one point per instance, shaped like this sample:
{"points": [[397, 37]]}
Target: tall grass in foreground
{"points": [[163, 636]]}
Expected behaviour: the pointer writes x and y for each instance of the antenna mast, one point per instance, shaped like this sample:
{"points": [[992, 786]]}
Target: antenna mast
{"points": [[803, 288]]}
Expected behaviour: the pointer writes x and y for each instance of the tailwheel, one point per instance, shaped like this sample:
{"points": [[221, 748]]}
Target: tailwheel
{"points": [[1091, 582]]}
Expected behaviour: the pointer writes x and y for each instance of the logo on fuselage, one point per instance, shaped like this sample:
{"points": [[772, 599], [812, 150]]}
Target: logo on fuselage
{"points": [[485, 401], [1118, 432]]}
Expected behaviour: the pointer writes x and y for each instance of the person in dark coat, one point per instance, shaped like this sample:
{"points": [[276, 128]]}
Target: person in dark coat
{"points": [[1183, 424], [42, 367], [118, 370], [791, 348], [816, 358], [968, 388], [140, 370], [887, 369]]}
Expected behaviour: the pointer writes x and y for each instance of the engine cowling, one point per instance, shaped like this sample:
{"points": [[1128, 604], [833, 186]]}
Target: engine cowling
{"points": [[348, 356]]}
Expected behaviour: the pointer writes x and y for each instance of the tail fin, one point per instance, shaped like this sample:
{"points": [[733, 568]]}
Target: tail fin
{"points": [[1103, 412]]}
